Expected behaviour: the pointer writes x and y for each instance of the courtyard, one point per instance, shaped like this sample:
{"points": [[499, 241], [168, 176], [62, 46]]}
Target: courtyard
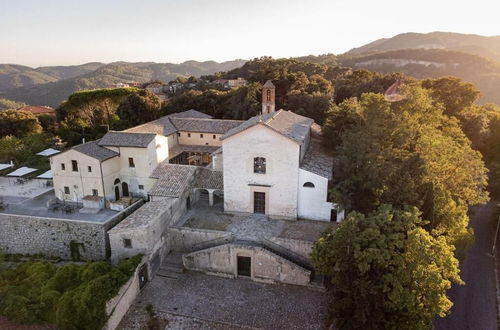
{"points": [[198, 301], [251, 226]]}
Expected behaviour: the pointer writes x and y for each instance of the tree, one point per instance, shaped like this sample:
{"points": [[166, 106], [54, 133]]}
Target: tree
{"points": [[387, 272], [409, 153], [139, 108], [18, 123], [339, 119], [454, 93]]}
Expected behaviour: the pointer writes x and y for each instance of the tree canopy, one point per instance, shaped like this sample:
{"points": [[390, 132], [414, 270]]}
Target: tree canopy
{"points": [[18, 123], [388, 272]]}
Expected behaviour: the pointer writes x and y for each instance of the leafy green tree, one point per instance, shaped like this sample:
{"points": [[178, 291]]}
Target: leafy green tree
{"points": [[139, 108], [409, 153], [339, 119], [18, 123], [387, 272], [454, 93]]}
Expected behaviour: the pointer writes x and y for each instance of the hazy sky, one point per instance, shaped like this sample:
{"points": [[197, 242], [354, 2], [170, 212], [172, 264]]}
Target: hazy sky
{"points": [[62, 32]]}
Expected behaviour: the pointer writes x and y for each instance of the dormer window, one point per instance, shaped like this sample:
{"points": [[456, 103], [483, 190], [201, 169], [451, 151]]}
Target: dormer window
{"points": [[259, 165]]}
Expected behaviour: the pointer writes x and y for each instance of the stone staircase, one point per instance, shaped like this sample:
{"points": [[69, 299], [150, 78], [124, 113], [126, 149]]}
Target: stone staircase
{"points": [[172, 266]]}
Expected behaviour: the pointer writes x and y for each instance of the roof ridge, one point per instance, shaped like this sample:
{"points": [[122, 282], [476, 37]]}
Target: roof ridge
{"points": [[274, 116]]}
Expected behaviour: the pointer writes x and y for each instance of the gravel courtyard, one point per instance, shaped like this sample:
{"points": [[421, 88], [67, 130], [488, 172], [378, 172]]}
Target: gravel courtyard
{"points": [[199, 301]]}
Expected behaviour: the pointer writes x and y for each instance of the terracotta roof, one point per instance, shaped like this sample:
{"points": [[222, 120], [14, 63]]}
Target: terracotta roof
{"points": [[269, 84], [38, 109], [216, 126], [209, 179], [127, 139], [172, 179], [317, 161], [92, 149], [287, 123]]}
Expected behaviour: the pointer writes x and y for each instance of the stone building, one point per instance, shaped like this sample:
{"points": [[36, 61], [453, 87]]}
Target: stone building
{"points": [[266, 171]]}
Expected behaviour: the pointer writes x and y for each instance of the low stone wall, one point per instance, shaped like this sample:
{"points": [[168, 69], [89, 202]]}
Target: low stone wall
{"points": [[185, 239], [265, 265], [52, 237], [302, 248], [118, 306], [57, 237]]}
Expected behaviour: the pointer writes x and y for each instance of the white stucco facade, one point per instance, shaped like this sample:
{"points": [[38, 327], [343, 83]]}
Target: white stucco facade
{"points": [[313, 194], [279, 183]]}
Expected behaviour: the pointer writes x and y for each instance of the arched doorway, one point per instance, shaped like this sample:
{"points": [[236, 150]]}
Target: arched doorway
{"points": [[117, 193], [125, 189]]}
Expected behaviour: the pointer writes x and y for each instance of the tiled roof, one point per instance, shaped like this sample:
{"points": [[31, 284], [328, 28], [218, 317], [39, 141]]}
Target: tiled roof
{"points": [[126, 139], [180, 148], [172, 179], [144, 215], [317, 161], [287, 123], [161, 126], [38, 109], [269, 84], [215, 126], [190, 120], [191, 114], [93, 150], [209, 179]]}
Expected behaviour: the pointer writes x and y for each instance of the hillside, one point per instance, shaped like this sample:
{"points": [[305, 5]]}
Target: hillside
{"points": [[432, 63], [52, 85], [488, 47]]}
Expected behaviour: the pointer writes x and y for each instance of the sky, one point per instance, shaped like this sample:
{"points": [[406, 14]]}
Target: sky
{"points": [[68, 32]]}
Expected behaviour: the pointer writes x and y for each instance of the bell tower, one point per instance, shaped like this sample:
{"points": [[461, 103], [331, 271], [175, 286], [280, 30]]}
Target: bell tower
{"points": [[268, 97]]}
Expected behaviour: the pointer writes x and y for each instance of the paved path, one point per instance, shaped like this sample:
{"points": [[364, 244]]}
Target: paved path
{"points": [[475, 302], [198, 301]]}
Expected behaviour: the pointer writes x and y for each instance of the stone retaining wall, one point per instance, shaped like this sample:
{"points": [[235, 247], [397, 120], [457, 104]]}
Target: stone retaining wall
{"points": [[186, 239], [300, 247]]}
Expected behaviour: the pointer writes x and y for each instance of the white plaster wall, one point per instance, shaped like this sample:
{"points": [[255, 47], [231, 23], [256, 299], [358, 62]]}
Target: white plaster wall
{"points": [[282, 163], [196, 139], [217, 162], [313, 203], [81, 182]]}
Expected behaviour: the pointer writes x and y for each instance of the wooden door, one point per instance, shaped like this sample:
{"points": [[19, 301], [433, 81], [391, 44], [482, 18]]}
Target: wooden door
{"points": [[259, 202]]}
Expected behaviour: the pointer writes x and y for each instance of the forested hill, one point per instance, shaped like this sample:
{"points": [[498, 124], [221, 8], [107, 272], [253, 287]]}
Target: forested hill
{"points": [[52, 85], [488, 47]]}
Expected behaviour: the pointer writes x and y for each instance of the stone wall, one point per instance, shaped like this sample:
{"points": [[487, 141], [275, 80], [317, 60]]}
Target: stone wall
{"points": [[302, 248], [265, 266], [190, 239], [52, 237]]}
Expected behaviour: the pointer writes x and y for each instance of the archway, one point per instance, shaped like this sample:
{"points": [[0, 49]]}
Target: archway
{"points": [[125, 189], [117, 193]]}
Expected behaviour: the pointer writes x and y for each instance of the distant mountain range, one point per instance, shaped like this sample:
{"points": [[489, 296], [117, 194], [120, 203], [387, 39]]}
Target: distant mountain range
{"points": [[52, 85], [471, 57]]}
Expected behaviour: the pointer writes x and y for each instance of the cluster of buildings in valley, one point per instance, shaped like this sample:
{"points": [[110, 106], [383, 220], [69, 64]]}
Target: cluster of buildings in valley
{"points": [[226, 197]]}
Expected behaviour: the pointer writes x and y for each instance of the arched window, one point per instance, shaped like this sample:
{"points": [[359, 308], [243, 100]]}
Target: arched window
{"points": [[117, 181], [268, 95], [259, 165], [308, 185]]}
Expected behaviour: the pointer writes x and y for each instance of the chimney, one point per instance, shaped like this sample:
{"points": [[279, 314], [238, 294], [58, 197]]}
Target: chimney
{"points": [[268, 97]]}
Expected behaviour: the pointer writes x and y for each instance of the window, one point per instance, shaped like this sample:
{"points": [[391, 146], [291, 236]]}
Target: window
{"points": [[268, 96], [131, 162], [201, 136], [189, 134], [259, 165], [74, 165], [214, 136], [94, 192], [141, 187], [63, 167], [308, 185], [66, 190], [89, 168], [127, 242], [178, 134]]}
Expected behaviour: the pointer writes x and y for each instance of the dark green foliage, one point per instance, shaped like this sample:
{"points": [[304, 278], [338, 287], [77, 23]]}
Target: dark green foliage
{"points": [[18, 123], [139, 108], [72, 296], [387, 271]]}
